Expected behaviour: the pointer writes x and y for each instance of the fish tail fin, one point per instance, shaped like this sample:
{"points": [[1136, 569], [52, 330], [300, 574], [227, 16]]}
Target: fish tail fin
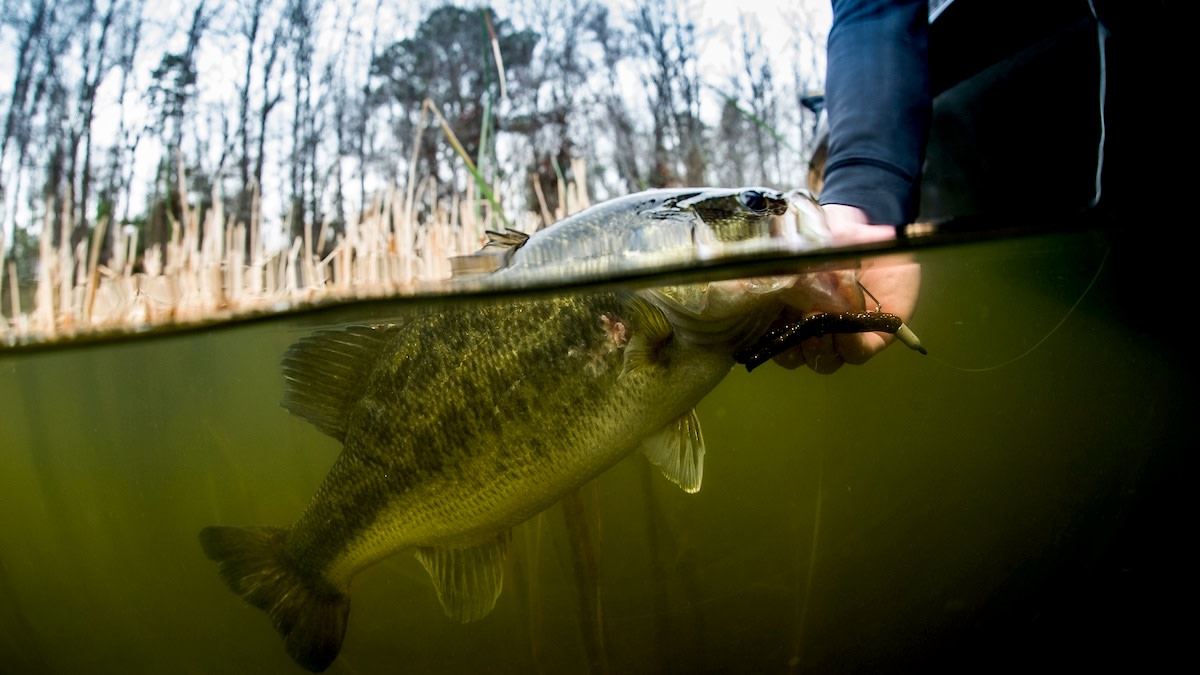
{"points": [[308, 612]]}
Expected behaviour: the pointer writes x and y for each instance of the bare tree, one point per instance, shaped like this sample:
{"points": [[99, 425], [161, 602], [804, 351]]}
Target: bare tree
{"points": [[689, 128], [63, 56], [343, 101], [758, 76], [270, 97], [96, 65], [808, 75], [668, 42], [249, 169], [38, 104], [34, 36], [114, 192], [300, 21], [734, 128], [171, 95], [450, 60], [619, 120], [552, 104]]}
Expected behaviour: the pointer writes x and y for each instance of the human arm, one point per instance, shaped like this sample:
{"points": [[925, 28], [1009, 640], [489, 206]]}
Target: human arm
{"points": [[877, 100], [878, 103]]}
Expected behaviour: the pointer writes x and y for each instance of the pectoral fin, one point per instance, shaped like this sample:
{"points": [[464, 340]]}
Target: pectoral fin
{"points": [[678, 449], [651, 332], [467, 580]]}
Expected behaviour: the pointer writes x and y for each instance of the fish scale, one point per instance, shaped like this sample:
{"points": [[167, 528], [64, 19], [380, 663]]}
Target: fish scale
{"points": [[461, 423]]}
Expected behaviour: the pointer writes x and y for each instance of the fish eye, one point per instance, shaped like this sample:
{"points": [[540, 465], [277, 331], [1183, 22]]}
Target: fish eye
{"points": [[754, 200]]}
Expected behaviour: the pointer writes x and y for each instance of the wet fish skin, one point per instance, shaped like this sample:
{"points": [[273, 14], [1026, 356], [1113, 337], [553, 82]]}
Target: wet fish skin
{"points": [[662, 225], [534, 392], [459, 424]]}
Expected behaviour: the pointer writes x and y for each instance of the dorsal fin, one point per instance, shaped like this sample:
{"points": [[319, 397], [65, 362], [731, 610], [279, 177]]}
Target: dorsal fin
{"points": [[324, 373], [493, 256], [510, 238]]}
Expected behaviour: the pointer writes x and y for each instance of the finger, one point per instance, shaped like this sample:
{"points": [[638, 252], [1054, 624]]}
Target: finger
{"points": [[791, 359], [858, 348], [820, 355]]}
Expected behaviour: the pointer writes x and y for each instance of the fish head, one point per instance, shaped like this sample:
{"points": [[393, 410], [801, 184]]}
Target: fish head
{"points": [[674, 227], [722, 221], [737, 215], [657, 229], [730, 220]]}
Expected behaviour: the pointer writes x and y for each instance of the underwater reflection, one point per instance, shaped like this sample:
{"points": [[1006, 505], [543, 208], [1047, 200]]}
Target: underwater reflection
{"points": [[901, 514], [460, 423]]}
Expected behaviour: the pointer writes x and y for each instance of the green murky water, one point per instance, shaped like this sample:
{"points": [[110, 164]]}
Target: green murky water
{"points": [[899, 515]]}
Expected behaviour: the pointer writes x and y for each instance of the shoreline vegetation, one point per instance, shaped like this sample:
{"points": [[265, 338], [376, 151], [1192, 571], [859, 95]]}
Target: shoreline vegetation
{"points": [[318, 107], [213, 269]]}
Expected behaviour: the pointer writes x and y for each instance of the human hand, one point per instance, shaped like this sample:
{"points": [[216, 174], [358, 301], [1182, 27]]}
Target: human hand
{"points": [[849, 225], [893, 281]]}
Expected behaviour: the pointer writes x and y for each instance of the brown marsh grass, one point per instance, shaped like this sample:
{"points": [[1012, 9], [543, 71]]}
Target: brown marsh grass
{"points": [[213, 269]]}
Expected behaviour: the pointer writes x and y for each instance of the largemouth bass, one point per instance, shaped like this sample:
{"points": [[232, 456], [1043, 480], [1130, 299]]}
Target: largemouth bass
{"points": [[650, 230], [460, 424]]}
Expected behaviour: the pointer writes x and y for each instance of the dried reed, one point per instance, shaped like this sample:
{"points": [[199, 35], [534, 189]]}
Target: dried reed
{"points": [[213, 269]]}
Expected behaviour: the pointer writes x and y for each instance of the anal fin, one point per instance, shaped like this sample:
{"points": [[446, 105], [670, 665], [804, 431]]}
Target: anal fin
{"points": [[678, 449], [467, 580]]}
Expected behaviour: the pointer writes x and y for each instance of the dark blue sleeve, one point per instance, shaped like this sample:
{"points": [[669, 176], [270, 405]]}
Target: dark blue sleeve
{"points": [[877, 98]]}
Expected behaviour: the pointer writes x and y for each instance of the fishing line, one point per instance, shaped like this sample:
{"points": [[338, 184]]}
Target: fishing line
{"points": [[1052, 331]]}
